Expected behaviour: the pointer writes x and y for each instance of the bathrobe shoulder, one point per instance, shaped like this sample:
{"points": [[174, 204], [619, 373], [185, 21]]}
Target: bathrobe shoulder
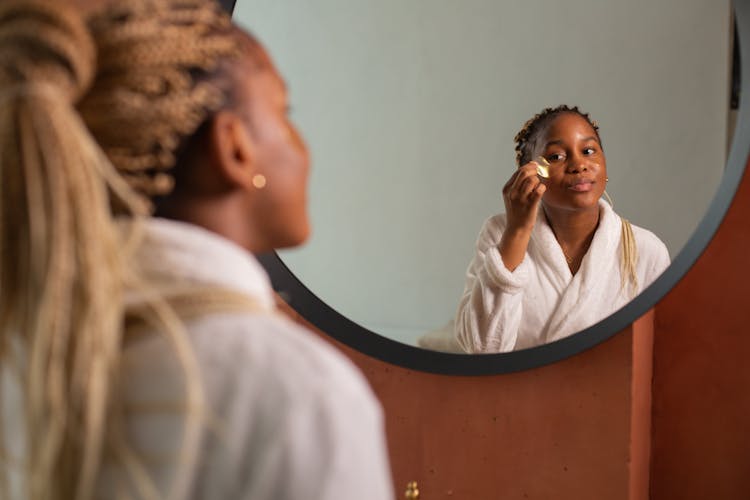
{"points": [[291, 417], [541, 301]]}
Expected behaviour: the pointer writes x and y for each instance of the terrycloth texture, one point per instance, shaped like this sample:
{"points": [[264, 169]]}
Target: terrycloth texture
{"points": [[541, 301], [442, 339], [296, 420]]}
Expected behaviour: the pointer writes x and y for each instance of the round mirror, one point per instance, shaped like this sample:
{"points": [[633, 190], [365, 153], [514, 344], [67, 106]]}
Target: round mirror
{"points": [[410, 110]]}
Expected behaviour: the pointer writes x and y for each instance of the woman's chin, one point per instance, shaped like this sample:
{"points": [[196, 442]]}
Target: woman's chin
{"points": [[293, 239], [575, 204]]}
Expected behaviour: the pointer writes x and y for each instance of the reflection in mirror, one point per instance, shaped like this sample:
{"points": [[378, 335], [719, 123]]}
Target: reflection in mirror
{"points": [[559, 259], [410, 109]]}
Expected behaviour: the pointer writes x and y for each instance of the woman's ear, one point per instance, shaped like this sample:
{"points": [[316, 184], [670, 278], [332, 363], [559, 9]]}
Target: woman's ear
{"points": [[232, 150]]}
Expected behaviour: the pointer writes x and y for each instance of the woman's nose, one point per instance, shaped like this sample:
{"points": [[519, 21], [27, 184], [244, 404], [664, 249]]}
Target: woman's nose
{"points": [[576, 166]]}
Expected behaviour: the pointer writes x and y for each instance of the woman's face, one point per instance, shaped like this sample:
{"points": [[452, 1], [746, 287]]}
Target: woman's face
{"points": [[578, 169], [279, 207]]}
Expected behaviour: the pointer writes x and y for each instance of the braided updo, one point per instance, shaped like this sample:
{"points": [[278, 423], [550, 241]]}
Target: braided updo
{"points": [[526, 138], [40, 46], [140, 78], [157, 82]]}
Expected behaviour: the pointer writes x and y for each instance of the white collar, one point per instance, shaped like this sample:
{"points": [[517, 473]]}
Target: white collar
{"points": [[550, 250], [180, 252], [574, 309]]}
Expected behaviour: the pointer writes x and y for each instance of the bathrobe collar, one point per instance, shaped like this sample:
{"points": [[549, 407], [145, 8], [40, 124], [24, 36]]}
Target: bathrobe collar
{"points": [[178, 252], [599, 265]]}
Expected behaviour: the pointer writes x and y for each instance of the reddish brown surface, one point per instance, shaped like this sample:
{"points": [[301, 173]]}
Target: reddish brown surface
{"points": [[640, 425], [701, 413], [562, 431]]}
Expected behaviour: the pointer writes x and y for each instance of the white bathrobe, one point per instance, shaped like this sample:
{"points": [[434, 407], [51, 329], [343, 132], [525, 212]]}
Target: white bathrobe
{"points": [[541, 300], [295, 420]]}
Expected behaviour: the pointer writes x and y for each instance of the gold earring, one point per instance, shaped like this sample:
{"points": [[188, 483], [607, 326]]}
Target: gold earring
{"points": [[259, 181]]}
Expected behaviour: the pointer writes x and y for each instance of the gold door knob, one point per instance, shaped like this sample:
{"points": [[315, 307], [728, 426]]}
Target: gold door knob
{"points": [[412, 492]]}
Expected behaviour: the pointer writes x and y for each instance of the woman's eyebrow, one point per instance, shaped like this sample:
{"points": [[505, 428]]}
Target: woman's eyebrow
{"points": [[560, 141]]}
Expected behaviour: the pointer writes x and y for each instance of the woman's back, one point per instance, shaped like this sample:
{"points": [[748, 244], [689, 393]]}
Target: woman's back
{"points": [[140, 354], [289, 416]]}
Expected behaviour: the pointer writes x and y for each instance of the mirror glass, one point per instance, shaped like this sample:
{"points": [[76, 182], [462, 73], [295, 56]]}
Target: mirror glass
{"points": [[410, 109]]}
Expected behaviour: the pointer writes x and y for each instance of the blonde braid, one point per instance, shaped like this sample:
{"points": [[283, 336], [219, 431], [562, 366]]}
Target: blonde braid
{"points": [[629, 257], [146, 99], [158, 81], [628, 253], [64, 266], [60, 268]]}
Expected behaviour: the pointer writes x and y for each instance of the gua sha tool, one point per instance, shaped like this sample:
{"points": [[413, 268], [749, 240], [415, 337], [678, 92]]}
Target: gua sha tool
{"points": [[542, 167]]}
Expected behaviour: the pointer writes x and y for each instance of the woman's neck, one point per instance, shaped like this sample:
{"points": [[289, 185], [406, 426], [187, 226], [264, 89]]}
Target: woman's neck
{"points": [[572, 226], [574, 231]]}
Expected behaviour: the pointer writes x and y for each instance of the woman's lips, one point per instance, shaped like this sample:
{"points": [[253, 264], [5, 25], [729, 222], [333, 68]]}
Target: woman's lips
{"points": [[582, 186]]}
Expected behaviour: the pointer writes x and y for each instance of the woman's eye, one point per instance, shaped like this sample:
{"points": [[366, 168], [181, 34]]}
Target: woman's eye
{"points": [[589, 151], [554, 157]]}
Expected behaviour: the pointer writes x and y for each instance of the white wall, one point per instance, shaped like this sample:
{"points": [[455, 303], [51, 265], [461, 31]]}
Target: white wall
{"points": [[410, 108]]}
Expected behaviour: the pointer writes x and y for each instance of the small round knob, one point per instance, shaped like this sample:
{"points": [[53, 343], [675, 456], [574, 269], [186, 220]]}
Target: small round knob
{"points": [[412, 491]]}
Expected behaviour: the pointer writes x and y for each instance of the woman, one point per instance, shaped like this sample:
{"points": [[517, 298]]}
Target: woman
{"points": [[142, 357], [559, 259]]}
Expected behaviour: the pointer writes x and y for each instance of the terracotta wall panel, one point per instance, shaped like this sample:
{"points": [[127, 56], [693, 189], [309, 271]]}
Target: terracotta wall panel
{"points": [[701, 392], [562, 431]]}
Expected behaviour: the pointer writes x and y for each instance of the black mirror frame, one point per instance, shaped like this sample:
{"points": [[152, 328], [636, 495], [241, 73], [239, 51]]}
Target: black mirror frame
{"points": [[328, 320]]}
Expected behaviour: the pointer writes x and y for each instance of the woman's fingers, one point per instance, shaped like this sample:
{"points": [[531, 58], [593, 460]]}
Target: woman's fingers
{"points": [[529, 185], [509, 185], [520, 173], [538, 191], [528, 171], [521, 195], [523, 182]]}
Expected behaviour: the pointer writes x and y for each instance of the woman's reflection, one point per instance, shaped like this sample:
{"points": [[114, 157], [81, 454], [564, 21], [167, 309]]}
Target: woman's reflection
{"points": [[543, 274]]}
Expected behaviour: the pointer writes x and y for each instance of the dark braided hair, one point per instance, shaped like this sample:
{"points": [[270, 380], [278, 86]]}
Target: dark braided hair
{"points": [[527, 136]]}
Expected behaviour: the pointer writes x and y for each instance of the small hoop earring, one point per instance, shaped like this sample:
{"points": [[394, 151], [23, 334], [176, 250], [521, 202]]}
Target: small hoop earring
{"points": [[259, 181]]}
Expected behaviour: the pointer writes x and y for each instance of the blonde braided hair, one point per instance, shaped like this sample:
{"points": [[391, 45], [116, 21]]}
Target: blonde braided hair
{"points": [[151, 90], [64, 265], [525, 141]]}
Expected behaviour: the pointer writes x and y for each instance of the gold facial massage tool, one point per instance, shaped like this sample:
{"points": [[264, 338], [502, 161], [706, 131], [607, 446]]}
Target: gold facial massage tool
{"points": [[542, 167]]}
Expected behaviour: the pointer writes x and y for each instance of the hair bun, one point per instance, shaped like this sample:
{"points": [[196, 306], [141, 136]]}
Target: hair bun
{"points": [[44, 42]]}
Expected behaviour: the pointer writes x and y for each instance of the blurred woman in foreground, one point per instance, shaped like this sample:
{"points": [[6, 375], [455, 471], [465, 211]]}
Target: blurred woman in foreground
{"points": [[142, 356]]}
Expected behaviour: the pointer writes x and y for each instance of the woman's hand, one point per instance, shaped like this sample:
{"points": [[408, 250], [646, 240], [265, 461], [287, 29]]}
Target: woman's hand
{"points": [[521, 195]]}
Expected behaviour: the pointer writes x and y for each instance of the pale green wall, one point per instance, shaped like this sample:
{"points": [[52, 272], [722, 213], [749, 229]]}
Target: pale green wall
{"points": [[410, 108]]}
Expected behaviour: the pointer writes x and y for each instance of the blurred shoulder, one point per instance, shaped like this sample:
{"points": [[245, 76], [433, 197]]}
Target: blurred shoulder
{"points": [[280, 393], [252, 357], [651, 249], [648, 241], [288, 357]]}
